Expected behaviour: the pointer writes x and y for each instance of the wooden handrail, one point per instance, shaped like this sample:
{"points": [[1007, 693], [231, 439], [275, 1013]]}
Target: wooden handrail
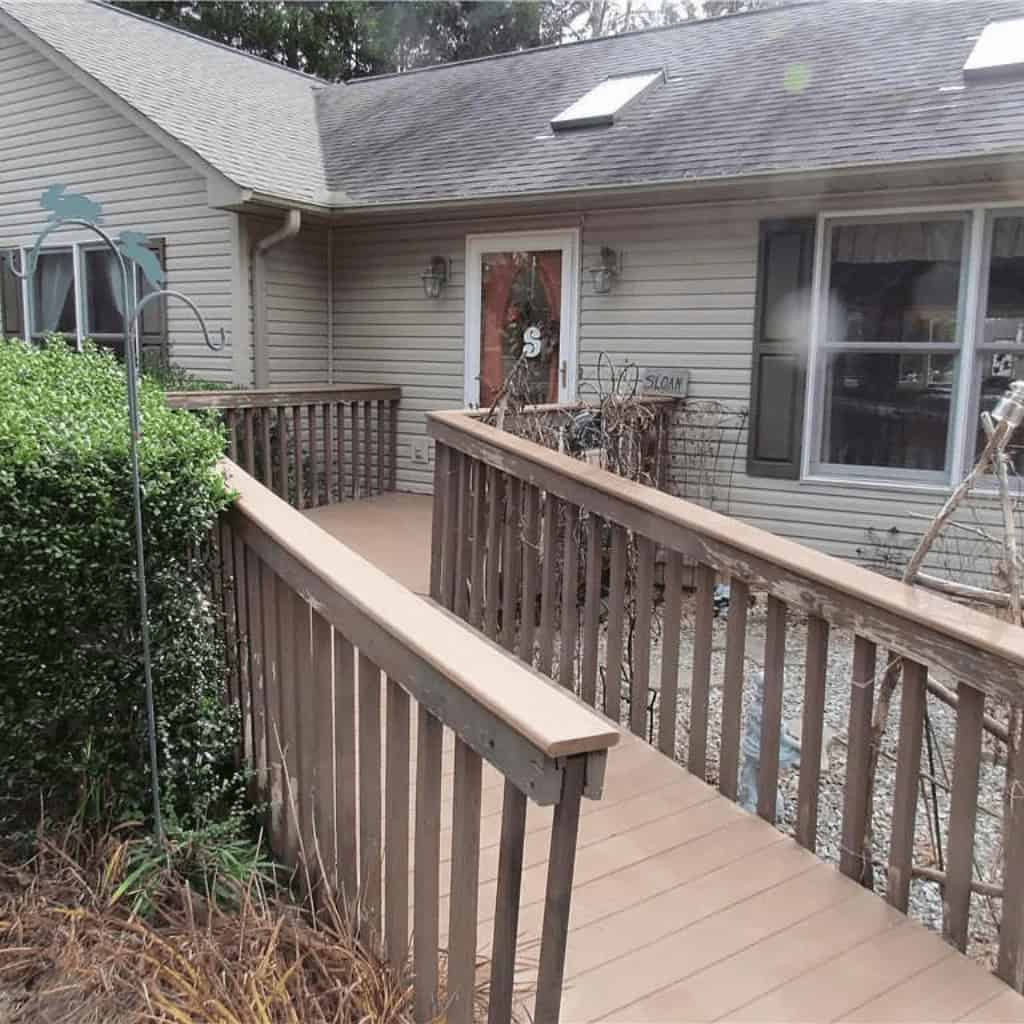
{"points": [[328, 659], [924, 626], [375, 610], [263, 398], [507, 509]]}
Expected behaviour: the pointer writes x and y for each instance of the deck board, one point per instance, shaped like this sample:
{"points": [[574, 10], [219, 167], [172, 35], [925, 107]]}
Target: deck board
{"points": [[686, 908]]}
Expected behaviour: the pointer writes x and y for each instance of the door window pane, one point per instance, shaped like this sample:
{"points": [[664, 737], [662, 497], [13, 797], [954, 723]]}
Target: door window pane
{"points": [[520, 313], [53, 298], [104, 299], [895, 281], [888, 409]]}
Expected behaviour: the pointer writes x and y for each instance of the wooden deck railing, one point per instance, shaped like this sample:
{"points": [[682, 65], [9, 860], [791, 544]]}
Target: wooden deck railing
{"points": [[326, 645], [311, 445], [535, 549]]}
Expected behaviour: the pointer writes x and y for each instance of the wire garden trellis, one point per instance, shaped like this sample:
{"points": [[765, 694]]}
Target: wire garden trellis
{"points": [[72, 210]]}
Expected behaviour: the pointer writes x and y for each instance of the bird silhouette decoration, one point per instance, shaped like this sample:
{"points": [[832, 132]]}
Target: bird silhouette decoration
{"points": [[64, 205], [133, 246]]}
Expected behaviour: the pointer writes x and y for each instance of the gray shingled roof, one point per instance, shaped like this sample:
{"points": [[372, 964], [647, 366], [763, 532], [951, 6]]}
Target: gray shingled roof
{"points": [[252, 120], [884, 84], [835, 84]]}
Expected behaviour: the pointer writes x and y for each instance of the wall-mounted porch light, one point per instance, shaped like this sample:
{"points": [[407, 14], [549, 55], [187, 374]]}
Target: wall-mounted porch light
{"points": [[606, 271], [435, 277]]}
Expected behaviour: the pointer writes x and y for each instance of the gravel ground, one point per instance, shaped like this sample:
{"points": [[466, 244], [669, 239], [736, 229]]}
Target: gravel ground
{"points": [[926, 897]]}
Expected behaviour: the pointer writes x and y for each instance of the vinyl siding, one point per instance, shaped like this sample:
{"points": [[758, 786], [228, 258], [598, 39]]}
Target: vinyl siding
{"points": [[685, 298], [296, 304], [55, 130]]}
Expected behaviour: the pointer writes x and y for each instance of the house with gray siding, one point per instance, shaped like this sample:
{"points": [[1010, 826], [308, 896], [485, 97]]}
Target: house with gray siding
{"points": [[815, 211]]}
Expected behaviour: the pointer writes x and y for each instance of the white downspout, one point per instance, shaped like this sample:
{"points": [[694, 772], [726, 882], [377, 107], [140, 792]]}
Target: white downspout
{"points": [[289, 229]]}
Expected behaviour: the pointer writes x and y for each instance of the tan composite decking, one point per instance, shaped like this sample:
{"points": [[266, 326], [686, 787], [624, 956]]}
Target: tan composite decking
{"points": [[686, 908]]}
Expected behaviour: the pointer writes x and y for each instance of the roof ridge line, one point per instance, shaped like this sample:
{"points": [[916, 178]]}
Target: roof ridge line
{"points": [[784, 5], [312, 79]]}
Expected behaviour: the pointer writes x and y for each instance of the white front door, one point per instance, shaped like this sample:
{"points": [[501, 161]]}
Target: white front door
{"points": [[521, 301]]}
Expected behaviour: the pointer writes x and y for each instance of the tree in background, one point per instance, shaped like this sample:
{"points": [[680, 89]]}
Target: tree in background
{"points": [[342, 40]]}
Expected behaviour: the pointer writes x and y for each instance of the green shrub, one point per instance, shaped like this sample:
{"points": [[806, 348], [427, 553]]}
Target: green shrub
{"points": [[72, 712]]}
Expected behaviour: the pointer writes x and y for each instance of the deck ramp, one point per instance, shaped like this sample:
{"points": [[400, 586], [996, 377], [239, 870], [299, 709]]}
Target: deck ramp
{"points": [[685, 907]]}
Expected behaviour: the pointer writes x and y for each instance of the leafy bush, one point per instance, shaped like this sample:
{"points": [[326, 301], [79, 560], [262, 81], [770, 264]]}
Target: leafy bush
{"points": [[72, 711]]}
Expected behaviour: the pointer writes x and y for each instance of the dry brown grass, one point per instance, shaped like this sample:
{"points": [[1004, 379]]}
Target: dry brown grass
{"points": [[71, 949]]}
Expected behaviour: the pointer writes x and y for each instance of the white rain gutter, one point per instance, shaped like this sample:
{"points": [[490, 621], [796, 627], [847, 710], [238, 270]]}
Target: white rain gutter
{"points": [[289, 229], [330, 304]]}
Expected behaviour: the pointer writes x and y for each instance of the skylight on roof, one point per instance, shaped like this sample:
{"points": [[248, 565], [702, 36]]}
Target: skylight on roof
{"points": [[999, 49], [604, 101]]}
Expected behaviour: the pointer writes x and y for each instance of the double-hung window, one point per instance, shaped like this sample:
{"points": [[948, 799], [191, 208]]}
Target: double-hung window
{"points": [[890, 347], [77, 291]]}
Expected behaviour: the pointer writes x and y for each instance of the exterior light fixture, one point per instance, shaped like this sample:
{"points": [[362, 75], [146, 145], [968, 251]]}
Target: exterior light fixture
{"points": [[435, 277], [606, 271]]}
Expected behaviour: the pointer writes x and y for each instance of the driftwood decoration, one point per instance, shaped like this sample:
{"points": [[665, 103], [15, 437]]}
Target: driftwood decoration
{"points": [[1000, 427]]}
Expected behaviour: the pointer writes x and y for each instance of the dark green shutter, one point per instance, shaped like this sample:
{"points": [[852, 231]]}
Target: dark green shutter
{"points": [[153, 327], [12, 316], [781, 340]]}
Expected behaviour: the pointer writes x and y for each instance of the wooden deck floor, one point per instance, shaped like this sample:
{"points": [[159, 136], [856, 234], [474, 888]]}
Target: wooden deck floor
{"points": [[686, 908]]}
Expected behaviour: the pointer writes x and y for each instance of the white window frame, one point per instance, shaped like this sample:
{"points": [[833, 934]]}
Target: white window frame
{"points": [[970, 314], [566, 239], [77, 250]]}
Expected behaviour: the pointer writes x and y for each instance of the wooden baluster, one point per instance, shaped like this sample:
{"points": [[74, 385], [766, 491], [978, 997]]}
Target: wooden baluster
{"points": [[368, 453], [328, 427], [771, 711], [228, 608], [382, 436], [549, 582], [616, 615], [231, 419], [356, 450], [426, 869], [369, 792], [478, 553], [439, 513], [644, 599], [465, 884], [858, 763], [1010, 965], [340, 418], [463, 538], [315, 472], [495, 513], [815, 672], [250, 442], [346, 832], [506, 905], [257, 663], [306, 716], [732, 686], [300, 483], [242, 645], [274, 778], [672, 621], [396, 825], [592, 608], [511, 558], [700, 689], [452, 507], [393, 477], [963, 815], [287, 627], [267, 477], [570, 599], [558, 894], [321, 685], [905, 789], [282, 453]]}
